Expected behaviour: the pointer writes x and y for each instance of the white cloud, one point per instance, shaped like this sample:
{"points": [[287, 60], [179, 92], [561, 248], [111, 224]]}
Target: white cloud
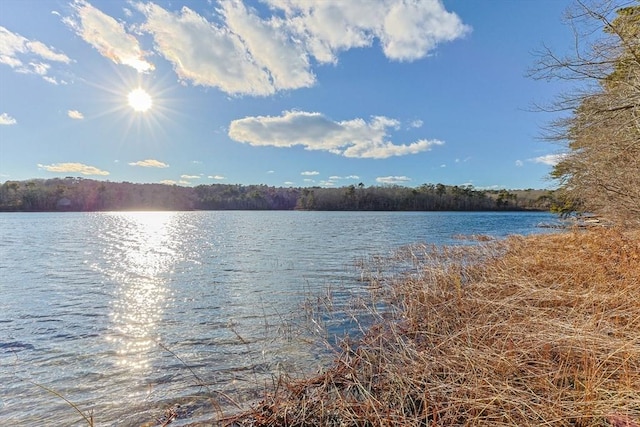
{"points": [[204, 53], [336, 177], [53, 80], [243, 52], [73, 168], [416, 124], [39, 68], [190, 176], [412, 29], [392, 179], [107, 36], [406, 29], [270, 46], [549, 159], [217, 177], [75, 114], [310, 173], [314, 131], [326, 28], [45, 52], [491, 187], [28, 56], [519, 163], [7, 120], [149, 163]]}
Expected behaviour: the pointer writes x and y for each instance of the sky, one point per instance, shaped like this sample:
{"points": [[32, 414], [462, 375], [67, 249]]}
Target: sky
{"points": [[278, 92]]}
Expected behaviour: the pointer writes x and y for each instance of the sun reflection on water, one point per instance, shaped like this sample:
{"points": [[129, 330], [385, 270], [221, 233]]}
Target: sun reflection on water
{"points": [[142, 256]]}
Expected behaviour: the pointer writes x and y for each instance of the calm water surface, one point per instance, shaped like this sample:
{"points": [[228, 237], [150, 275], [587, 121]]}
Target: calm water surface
{"points": [[128, 314]]}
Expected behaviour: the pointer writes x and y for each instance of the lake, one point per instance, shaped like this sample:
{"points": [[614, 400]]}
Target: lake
{"points": [[126, 314]]}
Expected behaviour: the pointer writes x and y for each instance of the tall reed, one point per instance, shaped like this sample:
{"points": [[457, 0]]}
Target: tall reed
{"points": [[537, 330]]}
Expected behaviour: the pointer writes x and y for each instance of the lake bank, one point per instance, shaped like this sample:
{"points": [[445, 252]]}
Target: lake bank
{"points": [[527, 331]]}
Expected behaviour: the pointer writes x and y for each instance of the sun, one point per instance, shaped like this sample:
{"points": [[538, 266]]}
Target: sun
{"points": [[139, 100]]}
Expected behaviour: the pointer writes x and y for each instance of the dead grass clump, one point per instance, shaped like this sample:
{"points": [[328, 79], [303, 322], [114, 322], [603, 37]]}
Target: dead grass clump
{"points": [[538, 330]]}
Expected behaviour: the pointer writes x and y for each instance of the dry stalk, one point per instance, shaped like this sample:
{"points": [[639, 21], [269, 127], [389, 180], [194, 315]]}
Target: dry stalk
{"points": [[538, 330]]}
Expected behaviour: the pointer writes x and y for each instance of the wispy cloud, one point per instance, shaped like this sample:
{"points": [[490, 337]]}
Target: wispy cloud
{"points": [[243, 52], [337, 177], [149, 163], [168, 182], [519, 163], [333, 180], [271, 46], [204, 53], [314, 131], [28, 56], [190, 176], [310, 173], [6, 119], [73, 168], [393, 179], [406, 30], [549, 159], [107, 36], [217, 177], [75, 114]]}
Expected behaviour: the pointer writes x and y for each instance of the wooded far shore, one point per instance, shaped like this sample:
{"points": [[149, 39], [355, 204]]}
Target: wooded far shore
{"points": [[80, 194]]}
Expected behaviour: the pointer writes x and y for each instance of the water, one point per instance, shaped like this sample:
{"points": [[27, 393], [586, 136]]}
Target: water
{"points": [[127, 314]]}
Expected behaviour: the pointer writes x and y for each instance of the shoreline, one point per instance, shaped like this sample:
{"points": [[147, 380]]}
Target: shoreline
{"points": [[525, 331]]}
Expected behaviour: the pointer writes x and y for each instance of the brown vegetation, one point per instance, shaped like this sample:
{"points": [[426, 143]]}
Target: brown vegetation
{"points": [[539, 330], [598, 172]]}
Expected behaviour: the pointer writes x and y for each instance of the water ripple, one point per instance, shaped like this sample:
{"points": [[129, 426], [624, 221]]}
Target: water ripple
{"points": [[126, 314]]}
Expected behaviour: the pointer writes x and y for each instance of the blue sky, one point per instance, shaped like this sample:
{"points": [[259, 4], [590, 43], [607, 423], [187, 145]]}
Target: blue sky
{"points": [[278, 92]]}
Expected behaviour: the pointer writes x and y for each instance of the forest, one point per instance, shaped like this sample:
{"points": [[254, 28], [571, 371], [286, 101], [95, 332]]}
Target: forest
{"points": [[79, 194]]}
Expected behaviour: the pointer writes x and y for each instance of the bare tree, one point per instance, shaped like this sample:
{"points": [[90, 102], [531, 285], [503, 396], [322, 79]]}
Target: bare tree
{"points": [[600, 169]]}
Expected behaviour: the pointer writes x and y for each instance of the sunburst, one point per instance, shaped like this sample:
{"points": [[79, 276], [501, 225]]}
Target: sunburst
{"points": [[140, 100]]}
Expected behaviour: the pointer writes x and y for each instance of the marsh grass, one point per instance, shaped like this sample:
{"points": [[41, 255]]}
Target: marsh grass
{"points": [[87, 417], [537, 330]]}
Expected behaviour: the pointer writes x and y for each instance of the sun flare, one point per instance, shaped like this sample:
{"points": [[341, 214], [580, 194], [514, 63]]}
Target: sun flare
{"points": [[139, 100]]}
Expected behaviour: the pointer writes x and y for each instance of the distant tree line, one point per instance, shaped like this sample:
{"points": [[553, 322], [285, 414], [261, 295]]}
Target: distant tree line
{"points": [[78, 194]]}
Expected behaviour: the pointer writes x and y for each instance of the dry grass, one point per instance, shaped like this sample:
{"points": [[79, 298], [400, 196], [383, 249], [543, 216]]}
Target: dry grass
{"points": [[539, 330]]}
